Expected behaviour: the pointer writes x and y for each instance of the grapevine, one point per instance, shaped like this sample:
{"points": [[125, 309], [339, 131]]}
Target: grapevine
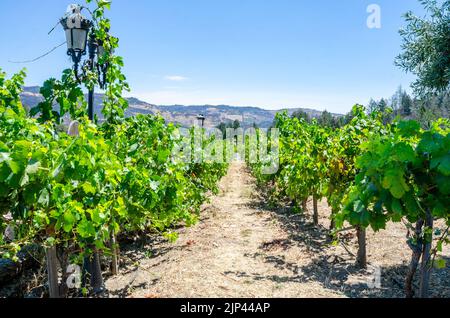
{"points": [[371, 173], [74, 192]]}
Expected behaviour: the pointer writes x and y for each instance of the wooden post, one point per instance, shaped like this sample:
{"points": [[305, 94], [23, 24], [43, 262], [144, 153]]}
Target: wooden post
{"points": [[361, 260], [415, 258], [426, 257], [115, 255], [316, 211], [333, 221], [52, 272], [64, 263], [304, 205], [91, 265], [96, 274]]}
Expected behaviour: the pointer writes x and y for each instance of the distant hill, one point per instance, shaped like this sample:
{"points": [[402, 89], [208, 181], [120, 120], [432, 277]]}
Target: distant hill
{"points": [[186, 115]]}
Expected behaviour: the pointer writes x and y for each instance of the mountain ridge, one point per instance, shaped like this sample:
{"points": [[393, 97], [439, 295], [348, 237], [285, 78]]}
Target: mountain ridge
{"points": [[185, 115]]}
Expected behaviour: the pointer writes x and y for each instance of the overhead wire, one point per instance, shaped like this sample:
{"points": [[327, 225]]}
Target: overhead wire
{"points": [[39, 57]]}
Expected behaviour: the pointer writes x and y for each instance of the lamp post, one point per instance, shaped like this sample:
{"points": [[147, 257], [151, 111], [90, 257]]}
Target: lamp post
{"points": [[201, 119], [201, 122], [92, 47], [77, 28]]}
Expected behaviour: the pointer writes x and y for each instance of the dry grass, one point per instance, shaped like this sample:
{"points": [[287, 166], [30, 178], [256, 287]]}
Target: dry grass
{"points": [[241, 248]]}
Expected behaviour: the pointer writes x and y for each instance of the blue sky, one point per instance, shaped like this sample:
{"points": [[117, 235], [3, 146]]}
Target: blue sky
{"points": [[268, 53]]}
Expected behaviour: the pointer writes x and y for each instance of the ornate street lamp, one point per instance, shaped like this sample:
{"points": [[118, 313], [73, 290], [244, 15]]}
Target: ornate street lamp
{"points": [[77, 28], [201, 120], [78, 37]]}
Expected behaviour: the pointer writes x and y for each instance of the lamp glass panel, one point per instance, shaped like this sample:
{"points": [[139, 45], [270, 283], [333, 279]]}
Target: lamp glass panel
{"points": [[76, 39]]}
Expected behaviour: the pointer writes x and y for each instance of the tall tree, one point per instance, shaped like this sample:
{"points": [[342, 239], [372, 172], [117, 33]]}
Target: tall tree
{"points": [[426, 48], [406, 105], [300, 114], [396, 100], [326, 119], [372, 107], [382, 105]]}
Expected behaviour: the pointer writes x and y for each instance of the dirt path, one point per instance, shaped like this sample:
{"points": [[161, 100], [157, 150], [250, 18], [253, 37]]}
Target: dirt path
{"points": [[241, 249]]}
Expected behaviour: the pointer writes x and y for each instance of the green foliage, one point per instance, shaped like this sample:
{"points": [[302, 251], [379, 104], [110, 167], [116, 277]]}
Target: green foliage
{"points": [[344, 147], [66, 93], [10, 90], [426, 47], [230, 125], [75, 191], [402, 174], [320, 161], [425, 110], [370, 172], [301, 145]]}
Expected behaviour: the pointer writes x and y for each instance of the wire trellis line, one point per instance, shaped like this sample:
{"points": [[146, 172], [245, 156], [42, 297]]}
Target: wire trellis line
{"points": [[39, 57]]}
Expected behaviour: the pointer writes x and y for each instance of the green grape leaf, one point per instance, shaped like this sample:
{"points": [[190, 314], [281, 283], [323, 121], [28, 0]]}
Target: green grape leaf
{"points": [[359, 215], [88, 188], [86, 229], [44, 197], [3, 149], [163, 155], [439, 210], [97, 216], [378, 222], [394, 182], [69, 221], [404, 152], [5, 171], [397, 209], [442, 164], [33, 167], [443, 183], [408, 128], [15, 166], [429, 143]]}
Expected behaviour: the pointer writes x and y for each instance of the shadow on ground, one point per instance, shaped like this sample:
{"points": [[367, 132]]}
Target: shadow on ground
{"points": [[335, 273], [332, 271]]}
